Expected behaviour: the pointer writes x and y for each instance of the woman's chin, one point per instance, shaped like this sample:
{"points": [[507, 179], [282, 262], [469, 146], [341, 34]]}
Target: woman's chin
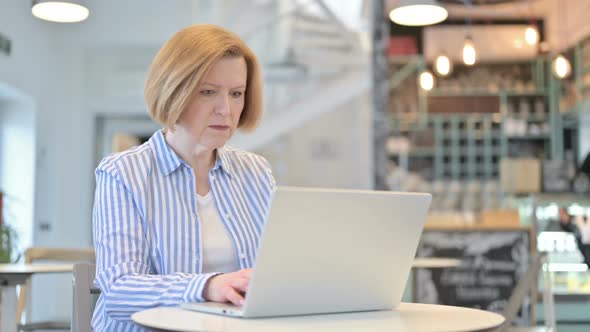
{"points": [[216, 143]]}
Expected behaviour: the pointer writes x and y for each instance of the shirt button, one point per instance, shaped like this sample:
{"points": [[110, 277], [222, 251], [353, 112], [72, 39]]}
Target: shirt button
{"points": [[228, 216], [242, 255]]}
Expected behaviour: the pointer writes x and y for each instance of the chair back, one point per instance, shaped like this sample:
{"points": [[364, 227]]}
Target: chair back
{"points": [[83, 302], [35, 254]]}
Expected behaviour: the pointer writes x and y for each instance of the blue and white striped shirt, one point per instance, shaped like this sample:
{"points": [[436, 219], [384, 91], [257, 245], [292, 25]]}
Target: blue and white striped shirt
{"points": [[146, 226]]}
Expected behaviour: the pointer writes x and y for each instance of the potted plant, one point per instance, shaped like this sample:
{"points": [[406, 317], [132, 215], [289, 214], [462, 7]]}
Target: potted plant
{"points": [[7, 237]]}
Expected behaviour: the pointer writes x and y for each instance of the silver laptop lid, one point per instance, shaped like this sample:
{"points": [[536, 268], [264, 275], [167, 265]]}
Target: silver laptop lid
{"points": [[330, 250]]}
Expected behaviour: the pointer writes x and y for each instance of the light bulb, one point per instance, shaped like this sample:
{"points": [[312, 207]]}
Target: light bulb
{"points": [[426, 80], [531, 35], [443, 65], [561, 67], [469, 53]]}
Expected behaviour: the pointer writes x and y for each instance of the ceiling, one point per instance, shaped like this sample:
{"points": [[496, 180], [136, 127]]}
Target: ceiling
{"points": [[478, 2], [494, 9]]}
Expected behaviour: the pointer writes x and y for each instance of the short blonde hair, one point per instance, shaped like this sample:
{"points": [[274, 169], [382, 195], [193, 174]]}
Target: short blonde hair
{"points": [[185, 59]]}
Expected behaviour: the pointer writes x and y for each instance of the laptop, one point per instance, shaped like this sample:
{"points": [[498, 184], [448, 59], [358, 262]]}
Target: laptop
{"points": [[331, 251]]}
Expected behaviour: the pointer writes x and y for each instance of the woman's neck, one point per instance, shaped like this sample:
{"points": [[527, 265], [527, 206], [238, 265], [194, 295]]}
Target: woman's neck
{"points": [[197, 156]]}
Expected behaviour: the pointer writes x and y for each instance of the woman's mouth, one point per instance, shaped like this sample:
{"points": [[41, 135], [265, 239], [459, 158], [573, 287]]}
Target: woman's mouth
{"points": [[219, 127]]}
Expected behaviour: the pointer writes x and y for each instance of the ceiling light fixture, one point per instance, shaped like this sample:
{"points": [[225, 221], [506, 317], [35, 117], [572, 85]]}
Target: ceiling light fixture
{"points": [[561, 67], [531, 35], [443, 65], [418, 12], [469, 53], [426, 80], [66, 11]]}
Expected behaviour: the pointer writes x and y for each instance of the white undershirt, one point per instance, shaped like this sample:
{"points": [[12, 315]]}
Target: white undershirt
{"points": [[219, 252]]}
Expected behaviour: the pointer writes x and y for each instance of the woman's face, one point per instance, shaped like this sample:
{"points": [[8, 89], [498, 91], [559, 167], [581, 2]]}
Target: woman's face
{"points": [[213, 114]]}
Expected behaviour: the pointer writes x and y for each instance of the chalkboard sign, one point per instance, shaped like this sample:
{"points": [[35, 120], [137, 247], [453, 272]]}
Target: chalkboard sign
{"points": [[492, 262]]}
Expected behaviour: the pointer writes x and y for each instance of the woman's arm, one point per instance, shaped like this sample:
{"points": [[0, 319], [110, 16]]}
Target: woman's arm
{"points": [[123, 270], [565, 221]]}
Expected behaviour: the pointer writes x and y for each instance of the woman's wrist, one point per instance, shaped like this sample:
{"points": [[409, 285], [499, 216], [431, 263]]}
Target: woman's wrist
{"points": [[207, 287]]}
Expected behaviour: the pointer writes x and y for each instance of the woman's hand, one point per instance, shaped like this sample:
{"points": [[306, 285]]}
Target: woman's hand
{"points": [[228, 287]]}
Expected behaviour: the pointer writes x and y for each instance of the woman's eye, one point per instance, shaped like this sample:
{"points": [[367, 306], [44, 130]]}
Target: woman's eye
{"points": [[207, 92], [237, 94]]}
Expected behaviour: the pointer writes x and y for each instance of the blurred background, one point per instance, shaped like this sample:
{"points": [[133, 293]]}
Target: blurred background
{"points": [[483, 103]]}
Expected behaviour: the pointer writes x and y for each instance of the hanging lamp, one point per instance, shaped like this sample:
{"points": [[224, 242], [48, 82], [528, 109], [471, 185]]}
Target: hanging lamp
{"points": [[65, 11], [418, 12], [469, 52], [531, 35], [426, 80], [443, 65], [561, 67]]}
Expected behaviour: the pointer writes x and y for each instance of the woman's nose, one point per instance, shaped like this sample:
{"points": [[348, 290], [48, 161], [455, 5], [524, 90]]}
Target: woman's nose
{"points": [[222, 105]]}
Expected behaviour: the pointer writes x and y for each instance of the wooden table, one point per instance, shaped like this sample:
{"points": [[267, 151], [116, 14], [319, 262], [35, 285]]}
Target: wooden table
{"points": [[435, 263], [430, 263], [414, 317], [12, 275]]}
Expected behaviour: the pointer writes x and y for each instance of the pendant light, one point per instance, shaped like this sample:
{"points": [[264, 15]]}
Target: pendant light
{"points": [[65, 11], [443, 65], [531, 35], [561, 67], [418, 12], [469, 53], [426, 80]]}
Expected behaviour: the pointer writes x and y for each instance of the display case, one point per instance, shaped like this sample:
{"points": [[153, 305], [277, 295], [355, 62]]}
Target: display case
{"points": [[570, 276]]}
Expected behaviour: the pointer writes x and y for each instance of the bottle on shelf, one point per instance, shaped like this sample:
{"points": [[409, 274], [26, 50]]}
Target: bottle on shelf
{"points": [[540, 109], [524, 108]]}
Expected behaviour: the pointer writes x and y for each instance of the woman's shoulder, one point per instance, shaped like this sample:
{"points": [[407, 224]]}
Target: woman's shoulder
{"points": [[136, 158], [239, 158], [246, 164]]}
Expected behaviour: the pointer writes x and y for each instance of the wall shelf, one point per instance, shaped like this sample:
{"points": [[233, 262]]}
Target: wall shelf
{"points": [[529, 137], [470, 145]]}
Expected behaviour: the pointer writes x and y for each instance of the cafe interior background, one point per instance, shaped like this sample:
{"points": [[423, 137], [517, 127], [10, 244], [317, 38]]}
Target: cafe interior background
{"points": [[486, 107]]}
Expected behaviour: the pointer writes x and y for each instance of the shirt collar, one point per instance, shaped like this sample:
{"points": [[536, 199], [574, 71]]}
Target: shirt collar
{"points": [[223, 161], [168, 161]]}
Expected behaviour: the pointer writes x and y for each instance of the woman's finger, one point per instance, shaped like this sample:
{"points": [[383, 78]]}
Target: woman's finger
{"points": [[240, 284], [234, 297], [247, 273]]}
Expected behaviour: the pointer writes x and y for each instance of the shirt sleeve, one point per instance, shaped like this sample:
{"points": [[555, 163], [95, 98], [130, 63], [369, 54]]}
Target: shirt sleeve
{"points": [[124, 273]]}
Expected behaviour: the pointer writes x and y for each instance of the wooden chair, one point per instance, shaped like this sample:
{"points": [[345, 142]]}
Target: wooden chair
{"points": [[34, 254], [528, 284]]}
